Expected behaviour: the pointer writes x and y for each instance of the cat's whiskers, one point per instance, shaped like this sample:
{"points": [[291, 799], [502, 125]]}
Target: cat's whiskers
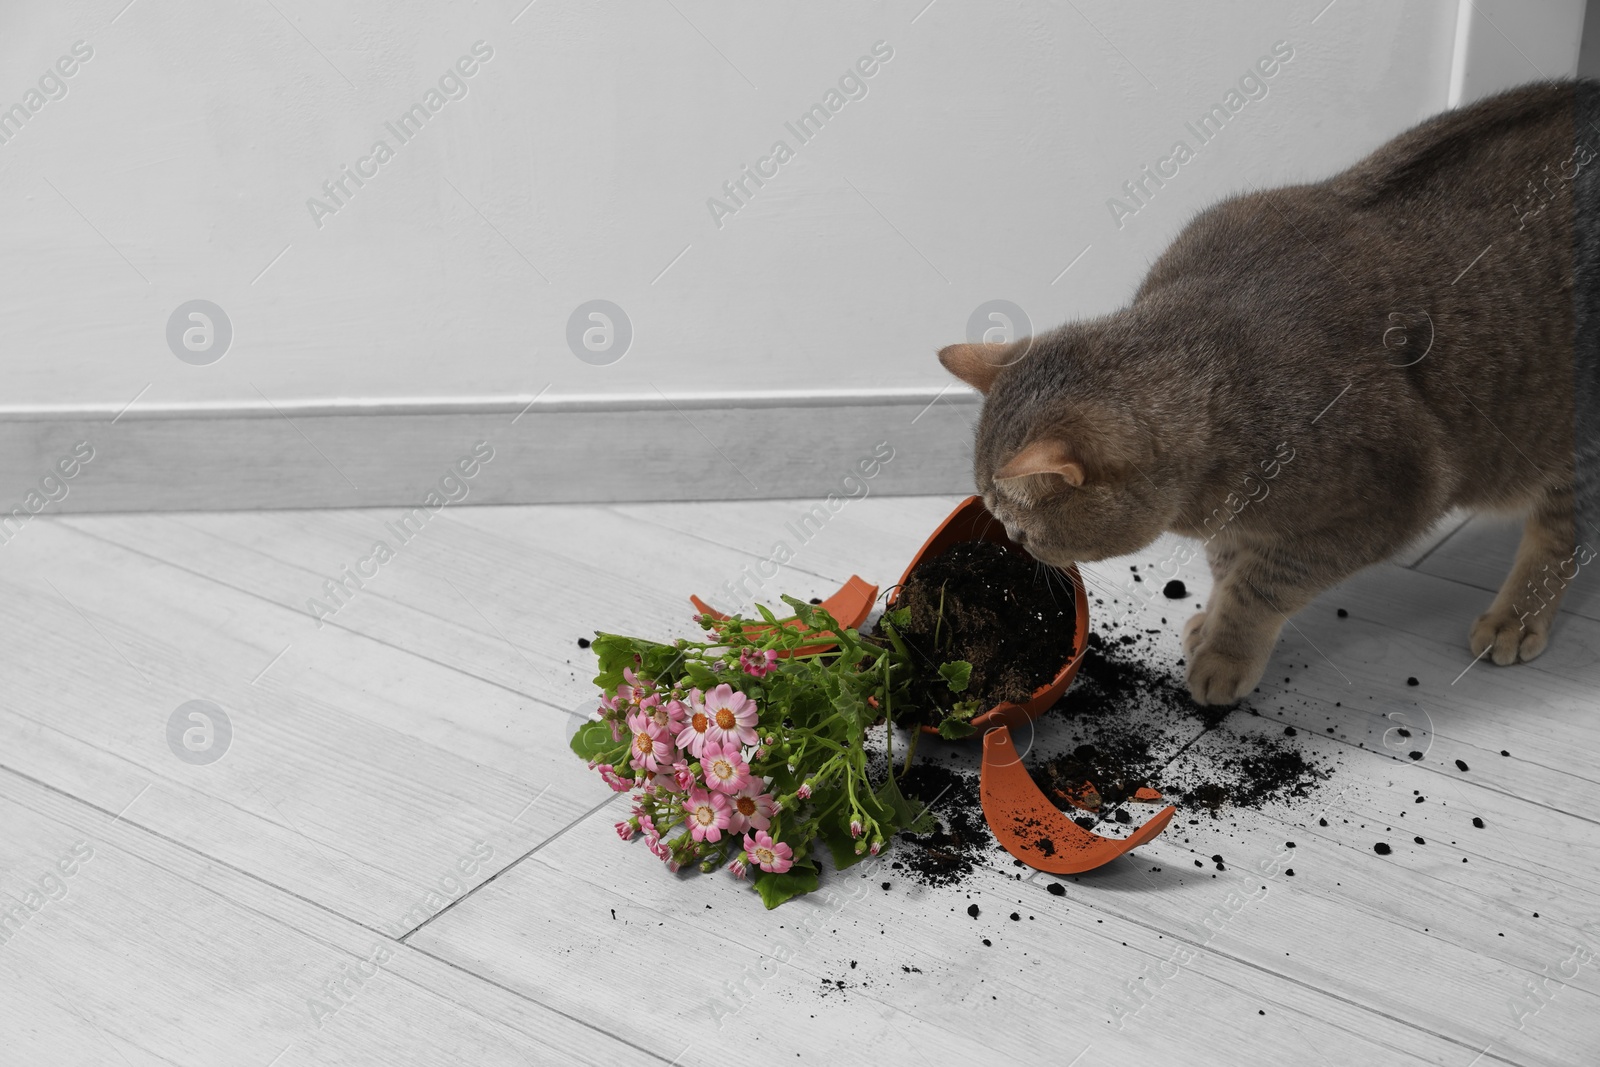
{"points": [[1096, 582]]}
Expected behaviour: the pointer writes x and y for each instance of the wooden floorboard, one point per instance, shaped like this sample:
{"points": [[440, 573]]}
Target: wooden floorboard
{"points": [[152, 953], [427, 718], [1480, 554]]}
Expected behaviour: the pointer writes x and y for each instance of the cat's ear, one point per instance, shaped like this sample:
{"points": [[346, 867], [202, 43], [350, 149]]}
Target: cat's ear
{"points": [[1047, 458], [976, 364]]}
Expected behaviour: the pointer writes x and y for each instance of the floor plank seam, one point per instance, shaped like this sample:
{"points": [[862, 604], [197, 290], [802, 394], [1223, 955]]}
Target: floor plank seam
{"points": [[454, 966], [607, 801], [186, 847], [354, 633], [1462, 525], [74, 801], [1200, 946]]}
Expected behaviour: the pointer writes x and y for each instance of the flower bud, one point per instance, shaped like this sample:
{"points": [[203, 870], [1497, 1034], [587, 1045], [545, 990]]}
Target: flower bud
{"points": [[804, 792], [855, 827]]}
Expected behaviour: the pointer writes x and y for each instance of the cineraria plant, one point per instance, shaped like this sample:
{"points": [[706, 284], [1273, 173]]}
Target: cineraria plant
{"points": [[748, 748]]}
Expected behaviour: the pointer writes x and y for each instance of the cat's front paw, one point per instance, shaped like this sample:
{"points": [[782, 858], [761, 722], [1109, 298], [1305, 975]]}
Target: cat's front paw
{"points": [[1194, 632], [1219, 678], [1511, 638]]}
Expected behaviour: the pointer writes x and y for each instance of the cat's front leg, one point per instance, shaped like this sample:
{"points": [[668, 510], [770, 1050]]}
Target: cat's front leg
{"points": [[1220, 556], [1517, 625], [1228, 645]]}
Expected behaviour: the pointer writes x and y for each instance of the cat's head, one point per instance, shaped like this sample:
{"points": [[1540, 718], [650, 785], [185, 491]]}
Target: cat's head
{"points": [[1068, 455]]}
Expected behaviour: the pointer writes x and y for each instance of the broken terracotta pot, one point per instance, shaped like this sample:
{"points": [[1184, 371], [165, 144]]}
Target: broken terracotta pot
{"points": [[971, 521], [1022, 819], [850, 605], [1032, 829]]}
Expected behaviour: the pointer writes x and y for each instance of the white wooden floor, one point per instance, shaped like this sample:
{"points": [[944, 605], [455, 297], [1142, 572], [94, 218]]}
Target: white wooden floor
{"points": [[421, 733]]}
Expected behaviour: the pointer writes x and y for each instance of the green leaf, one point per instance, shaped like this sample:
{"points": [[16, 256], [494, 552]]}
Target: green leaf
{"points": [[593, 741], [806, 613], [899, 618], [700, 676], [908, 814], [777, 888], [956, 729], [853, 707], [652, 659], [957, 673], [957, 723], [841, 846]]}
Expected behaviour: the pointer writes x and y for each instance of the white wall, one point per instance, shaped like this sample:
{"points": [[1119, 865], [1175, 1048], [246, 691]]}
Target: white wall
{"points": [[579, 164], [977, 166]]}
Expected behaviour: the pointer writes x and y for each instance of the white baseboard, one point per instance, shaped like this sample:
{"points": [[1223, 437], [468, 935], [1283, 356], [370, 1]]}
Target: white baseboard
{"points": [[546, 449]]}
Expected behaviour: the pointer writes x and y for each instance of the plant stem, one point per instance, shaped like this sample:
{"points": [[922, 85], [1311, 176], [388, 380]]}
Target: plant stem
{"points": [[916, 735], [888, 719]]}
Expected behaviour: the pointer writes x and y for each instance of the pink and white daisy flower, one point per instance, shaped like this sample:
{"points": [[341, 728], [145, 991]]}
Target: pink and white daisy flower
{"points": [[625, 830], [739, 868], [724, 769], [668, 716], [751, 809], [692, 737], [651, 751], [771, 856], [708, 815], [731, 716]]}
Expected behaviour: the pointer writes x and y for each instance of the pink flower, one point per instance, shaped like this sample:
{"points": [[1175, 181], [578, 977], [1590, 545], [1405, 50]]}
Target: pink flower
{"points": [[756, 663], [658, 848], [617, 782], [625, 830], [876, 845], [724, 769], [751, 809], [708, 815], [771, 856], [804, 792], [739, 868], [668, 716], [731, 716], [630, 695], [692, 737], [651, 749], [648, 825], [638, 686], [855, 827]]}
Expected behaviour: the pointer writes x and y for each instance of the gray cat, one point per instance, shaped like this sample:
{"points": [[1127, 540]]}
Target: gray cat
{"points": [[1311, 376]]}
